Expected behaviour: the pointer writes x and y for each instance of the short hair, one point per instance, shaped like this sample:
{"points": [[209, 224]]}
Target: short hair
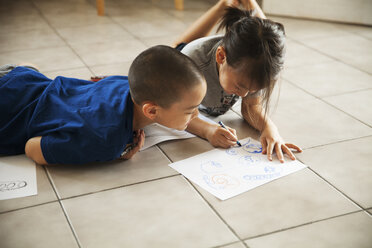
{"points": [[162, 74]]}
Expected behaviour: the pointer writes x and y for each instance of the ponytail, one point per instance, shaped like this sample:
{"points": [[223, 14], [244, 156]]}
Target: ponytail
{"points": [[231, 16], [254, 46]]}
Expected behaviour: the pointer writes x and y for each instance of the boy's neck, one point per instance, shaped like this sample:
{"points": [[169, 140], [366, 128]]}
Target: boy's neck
{"points": [[139, 119]]}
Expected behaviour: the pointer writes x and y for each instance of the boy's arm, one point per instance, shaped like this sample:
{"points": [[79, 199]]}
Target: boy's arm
{"points": [[138, 142], [215, 134], [33, 150]]}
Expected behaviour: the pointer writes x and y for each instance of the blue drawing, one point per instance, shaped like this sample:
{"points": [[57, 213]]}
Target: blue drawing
{"points": [[252, 148], [260, 177], [272, 169], [248, 160], [270, 172], [221, 181], [211, 167], [232, 151]]}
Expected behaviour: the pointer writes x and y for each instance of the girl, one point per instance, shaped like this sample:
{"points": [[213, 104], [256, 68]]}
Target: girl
{"points": [[245, 62]]}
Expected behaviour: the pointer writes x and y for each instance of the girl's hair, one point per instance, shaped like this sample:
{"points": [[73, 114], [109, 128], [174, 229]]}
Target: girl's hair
{"points": [[254, 46]]}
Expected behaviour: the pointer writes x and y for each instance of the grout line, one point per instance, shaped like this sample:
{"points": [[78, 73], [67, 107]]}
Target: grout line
{"points": [[31, 49], [334, 187], [70, 224], [321, 99], [161, 150], [211, 207], [349, 92], [330, 56], [319, 20], [231, 243], [367, 211], [118, 187], [51, 182], [61, 205], [58, 34], [334, 106], [304, 224], [215, 211], [121, 26], [203, 198], [36, 205], [337, 142]]}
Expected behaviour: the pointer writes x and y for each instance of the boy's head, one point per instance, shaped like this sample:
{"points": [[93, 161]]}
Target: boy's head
{"points": [[167, 85]]}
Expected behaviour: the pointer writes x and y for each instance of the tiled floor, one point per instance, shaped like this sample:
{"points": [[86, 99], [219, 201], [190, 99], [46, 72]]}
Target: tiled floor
{"points": [[325, 106]]}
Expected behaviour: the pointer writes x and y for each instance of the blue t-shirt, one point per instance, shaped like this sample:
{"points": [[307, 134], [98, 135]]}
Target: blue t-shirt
{"points": [[79, 121]]}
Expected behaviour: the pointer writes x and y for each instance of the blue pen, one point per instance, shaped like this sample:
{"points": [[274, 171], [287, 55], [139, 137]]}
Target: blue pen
{"points": [[223, 126]]}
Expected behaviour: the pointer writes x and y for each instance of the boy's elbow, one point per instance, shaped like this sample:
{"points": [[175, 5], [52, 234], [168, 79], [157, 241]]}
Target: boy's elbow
{"points": [[34, 152]]}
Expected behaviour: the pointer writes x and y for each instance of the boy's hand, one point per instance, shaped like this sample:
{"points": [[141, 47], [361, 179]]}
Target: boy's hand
{"points": [[220, 137], [138, 142], [271, 139]]}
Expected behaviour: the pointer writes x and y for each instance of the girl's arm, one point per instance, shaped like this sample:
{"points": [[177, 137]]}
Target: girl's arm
{"points": [[33, 150], [271, 140], [253, 5], [204, 24]]}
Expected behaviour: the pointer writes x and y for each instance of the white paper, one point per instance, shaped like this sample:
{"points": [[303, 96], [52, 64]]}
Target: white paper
{"points": [[227, 173], [17, 177], [156, 133]]}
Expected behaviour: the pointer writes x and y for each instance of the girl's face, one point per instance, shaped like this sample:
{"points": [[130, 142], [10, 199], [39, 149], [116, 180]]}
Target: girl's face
{"points": [[232, 80]]}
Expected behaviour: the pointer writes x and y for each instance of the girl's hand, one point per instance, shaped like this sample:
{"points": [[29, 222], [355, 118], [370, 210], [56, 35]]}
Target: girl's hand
{"points": [[271, 139], [138, 142], [220, 137], [231, 3]]}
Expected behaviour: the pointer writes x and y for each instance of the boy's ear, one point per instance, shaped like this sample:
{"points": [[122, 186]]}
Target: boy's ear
{"points": [[220, 55], [150, 110]]}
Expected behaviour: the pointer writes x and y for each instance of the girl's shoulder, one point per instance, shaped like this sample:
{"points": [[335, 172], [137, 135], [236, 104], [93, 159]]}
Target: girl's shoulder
{"points": [[200, 50], [203, 45]]}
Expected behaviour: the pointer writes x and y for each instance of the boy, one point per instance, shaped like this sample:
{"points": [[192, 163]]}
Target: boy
{"points": [[74, 121]]}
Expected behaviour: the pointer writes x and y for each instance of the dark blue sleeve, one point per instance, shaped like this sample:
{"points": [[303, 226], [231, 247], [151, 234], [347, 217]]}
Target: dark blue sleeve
{"points": [[71, 148]]}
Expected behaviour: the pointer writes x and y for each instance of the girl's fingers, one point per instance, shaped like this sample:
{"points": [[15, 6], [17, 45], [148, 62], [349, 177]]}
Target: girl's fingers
{"points": [[264, 145], [292, 146], [228, 135], [287, 151], [233, 131], [270, 148], [279, 152]]}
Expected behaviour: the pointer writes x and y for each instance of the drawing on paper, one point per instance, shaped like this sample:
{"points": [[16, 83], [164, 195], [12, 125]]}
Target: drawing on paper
{"points": [[252, 148], [232, 151], [248, 146], [227, 173], [269, 172], [249, 160], [221, 181], [12, 185], [211, 167]]}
